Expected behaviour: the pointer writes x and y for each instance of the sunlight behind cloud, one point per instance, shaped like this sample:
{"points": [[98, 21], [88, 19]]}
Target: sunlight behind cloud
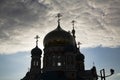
{"points": [[97, 22]]}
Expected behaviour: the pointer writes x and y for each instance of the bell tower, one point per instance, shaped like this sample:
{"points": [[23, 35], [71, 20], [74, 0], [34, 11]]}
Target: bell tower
{"points": [[35, 61]]}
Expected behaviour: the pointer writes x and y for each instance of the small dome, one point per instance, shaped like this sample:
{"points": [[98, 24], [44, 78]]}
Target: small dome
{"points": [[36, 51], [58, 37]]}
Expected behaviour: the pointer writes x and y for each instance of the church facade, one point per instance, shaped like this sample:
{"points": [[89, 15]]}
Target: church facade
{"points": [[62, 58]]}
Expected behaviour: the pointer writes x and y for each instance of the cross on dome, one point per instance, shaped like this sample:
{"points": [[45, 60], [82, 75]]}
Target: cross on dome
{"points": [[73, 31], [73, 21], [93, 64], [37, 37], [59, 16]]}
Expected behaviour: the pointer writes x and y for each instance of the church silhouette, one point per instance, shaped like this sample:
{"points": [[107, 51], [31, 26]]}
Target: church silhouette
{"points": [[62, 58]]}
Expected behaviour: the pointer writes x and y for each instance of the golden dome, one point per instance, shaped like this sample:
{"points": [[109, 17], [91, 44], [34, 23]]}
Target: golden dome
{"points": [[58, 37]]}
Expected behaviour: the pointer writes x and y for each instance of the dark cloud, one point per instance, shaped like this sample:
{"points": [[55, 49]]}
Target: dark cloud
{"points": [[16, 13], [21, 19]]}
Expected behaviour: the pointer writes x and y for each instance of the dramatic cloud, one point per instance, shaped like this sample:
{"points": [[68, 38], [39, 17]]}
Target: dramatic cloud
{"points": [[97, 22]]}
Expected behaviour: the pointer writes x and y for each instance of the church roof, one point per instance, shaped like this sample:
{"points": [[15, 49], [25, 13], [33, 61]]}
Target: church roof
{"points": [[58, 37]]}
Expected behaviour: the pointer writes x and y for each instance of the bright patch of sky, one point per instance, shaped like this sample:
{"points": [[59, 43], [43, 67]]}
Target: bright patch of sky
{"points": [[14, 66]]}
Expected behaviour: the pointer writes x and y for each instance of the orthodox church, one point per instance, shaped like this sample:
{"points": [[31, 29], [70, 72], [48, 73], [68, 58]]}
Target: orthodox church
{"points": [[62, 58]]}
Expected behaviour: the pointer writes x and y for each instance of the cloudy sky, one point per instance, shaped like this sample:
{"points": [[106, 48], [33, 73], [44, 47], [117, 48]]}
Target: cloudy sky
{"points": [[97, 28]]}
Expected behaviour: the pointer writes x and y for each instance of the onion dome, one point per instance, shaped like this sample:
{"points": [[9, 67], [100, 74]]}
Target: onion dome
{"points": [[58, 37], [36, 51]]}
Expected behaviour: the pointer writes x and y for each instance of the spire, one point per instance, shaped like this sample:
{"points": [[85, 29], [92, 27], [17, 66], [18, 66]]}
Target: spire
{"points": [[59, 16], [73, 31], [93, 64], [37, 37], [79, 44], [73, 21]]}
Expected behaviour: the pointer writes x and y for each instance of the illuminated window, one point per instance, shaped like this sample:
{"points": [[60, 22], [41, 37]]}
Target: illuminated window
{"points": [[59, 64]]}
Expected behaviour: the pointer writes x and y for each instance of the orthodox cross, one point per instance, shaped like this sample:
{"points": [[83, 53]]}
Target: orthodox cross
{"points": [[93, 64], [37, 37], [59, 16], [73, 21], [73, 31]]}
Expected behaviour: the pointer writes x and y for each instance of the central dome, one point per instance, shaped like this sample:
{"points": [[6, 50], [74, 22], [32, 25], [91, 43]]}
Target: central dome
{"points": [[58, 37]]}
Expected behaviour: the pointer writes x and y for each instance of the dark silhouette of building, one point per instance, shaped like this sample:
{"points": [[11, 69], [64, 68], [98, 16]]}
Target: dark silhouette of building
{"points": [[62, 58]]}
